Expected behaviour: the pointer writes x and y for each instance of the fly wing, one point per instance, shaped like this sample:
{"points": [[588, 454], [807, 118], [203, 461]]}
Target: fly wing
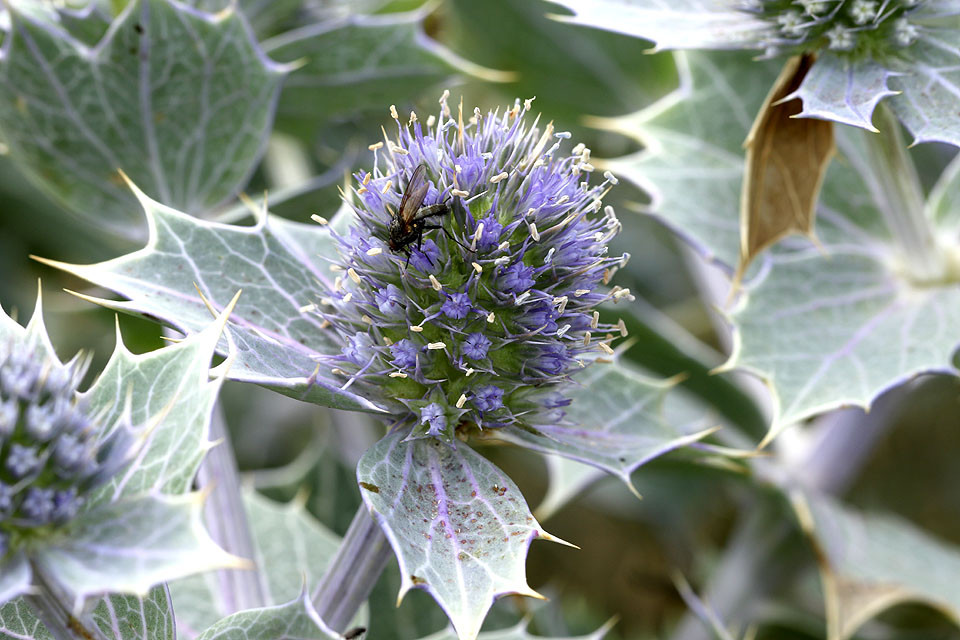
{"points": [[413, 195]]}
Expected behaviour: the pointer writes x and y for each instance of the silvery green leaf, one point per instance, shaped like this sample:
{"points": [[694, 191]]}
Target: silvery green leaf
{"points": [[615, 422], [276, 263], [122, 617], [843, 90], [519, 632], [295, 620], [133, 544], [168, 392], [291, 549], [73, 114], [15, 576], [672, 24], [459, 526], [693, 153], [19, 622], [929, 83], [34, 333], [352, 64], [872, 562], [823, 330], [265, 16]]}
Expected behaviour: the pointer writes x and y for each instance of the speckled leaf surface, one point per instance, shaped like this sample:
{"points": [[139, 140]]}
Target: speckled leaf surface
{"points": [[871, 562], [73, 114], [130, 618], [671, 24], [615, 422], [296, 620], [459, 526], [18, 622], [276, 264]]}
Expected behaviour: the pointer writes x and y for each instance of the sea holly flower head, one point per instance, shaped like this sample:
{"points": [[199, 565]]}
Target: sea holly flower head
{"points": [[857, 28], [482, 321], [51, 453]]}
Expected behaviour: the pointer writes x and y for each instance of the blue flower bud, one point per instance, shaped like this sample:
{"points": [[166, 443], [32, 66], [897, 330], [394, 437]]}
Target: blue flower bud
{"points": [[488, 398], [475, 346], [456, 306], [433, 415]]}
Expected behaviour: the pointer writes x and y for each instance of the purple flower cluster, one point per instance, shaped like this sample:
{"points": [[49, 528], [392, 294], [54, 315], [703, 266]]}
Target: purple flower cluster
{"points": [[49, 451], [494, 311]]}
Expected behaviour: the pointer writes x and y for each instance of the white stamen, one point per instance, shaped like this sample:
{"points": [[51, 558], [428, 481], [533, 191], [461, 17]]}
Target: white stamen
{"points": [[586, 339], [413, 117], [353, 275], [416, 328], [503, 246], [460, 193], [549, 256], [347, 298], [563, 135], [326, 323], [398, 374], [562, 330], [502, 260], [534, 233], [319, 219], [500, 176], [611, 178], [521, 298], [374, 252], [338, 283], [622, 327], [528, 103], [580, 292], [366, 179], [307, 308], [462, 400], [375, 146], [491, 318], [436, 345], [367, 319], [477, 267], [386, 187], [562, 302], [431, 119], [621, 294], [605, 348], [435, 283], [338, 372], [468, 372], [393, 112], [596, 320]]}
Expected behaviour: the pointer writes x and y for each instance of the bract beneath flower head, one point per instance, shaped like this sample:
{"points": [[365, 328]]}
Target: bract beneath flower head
{"points": [[494, 310]]}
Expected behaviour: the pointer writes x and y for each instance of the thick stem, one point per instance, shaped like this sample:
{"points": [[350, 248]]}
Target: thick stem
{"points": [[54, 609], [897, 191], [226, 520], [354, 571]]}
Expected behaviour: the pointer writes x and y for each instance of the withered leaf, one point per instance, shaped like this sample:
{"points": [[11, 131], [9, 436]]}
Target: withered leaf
{"points": [[786, 161]]}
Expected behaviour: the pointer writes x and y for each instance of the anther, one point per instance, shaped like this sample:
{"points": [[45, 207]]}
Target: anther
{"points": [[374, 251], [500, 176], [435, 283], [596, 320], [477, 267], [319, 219], [393, 112], [462, 400], [307, 308], [353, 275], [436, 345]]}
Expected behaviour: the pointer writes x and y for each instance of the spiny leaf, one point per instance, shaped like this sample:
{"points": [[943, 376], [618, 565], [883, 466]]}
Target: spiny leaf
{"points": [[871, 562], [295, 620], [614, 423], [519, 632], [276, 263], [133, 544], [123, 617], [72, 115], [787, 158], [671, 24], [459, 525]]}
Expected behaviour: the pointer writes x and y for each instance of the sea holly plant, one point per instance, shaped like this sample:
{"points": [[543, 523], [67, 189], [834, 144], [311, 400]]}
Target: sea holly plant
{"points": [[487, 327], [901, 52], [95, 487]]}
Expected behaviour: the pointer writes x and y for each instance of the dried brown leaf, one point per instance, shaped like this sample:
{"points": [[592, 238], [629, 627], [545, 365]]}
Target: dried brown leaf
{"points": [[786, 161]]}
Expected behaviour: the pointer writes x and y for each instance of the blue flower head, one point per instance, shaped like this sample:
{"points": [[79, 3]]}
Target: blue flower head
{"points": [[52, 455], [495, 308]]}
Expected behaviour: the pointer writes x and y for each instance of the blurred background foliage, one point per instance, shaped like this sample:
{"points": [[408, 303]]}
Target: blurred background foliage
{"points": [[694, 513]]}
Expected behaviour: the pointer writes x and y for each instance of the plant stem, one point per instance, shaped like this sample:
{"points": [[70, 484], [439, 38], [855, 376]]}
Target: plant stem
{"points": [[897, 192], [226, 520], [54, 609], [354, 571]]}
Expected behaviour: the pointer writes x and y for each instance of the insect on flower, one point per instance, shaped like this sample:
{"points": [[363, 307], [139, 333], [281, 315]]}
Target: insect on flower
{"points": [[410, 220]]}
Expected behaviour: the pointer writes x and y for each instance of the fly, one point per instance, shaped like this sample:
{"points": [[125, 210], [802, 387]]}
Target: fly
{"points": [[411, 219]]}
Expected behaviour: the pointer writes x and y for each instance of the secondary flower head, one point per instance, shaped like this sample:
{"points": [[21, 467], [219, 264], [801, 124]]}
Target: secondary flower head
{"points": [[482, 319], [50, 456], [860, 28]]}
